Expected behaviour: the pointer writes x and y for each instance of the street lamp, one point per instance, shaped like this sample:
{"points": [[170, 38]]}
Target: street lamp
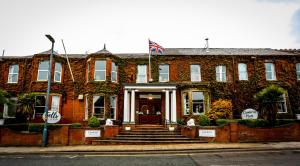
{"points": [[48, 91]]}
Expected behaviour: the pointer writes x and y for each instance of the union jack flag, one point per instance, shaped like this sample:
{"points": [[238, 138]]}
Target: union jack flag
{"points": [[156, 48]]}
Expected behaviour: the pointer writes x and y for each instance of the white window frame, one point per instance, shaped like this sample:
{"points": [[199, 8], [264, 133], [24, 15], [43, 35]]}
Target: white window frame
{"points": [[86, 113], [94, 100], [272, 71], [243, 74], [114, 71], [298, 71], [198, 73], [6, 109], [186, 103], [58, 72], [12, 73], [40, 114], [160, 73], [88, 77], [192, 101], [39, 71], [284, 103], [220, 70], [113, 107], [57, 100], [141, 75], [101, 70]]}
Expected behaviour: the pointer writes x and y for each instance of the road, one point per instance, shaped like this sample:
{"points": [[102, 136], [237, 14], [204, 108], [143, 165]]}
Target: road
{"points": [[282, 157]]}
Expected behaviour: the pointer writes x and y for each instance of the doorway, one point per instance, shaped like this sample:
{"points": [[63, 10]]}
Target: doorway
{"points": [[150, 108]]}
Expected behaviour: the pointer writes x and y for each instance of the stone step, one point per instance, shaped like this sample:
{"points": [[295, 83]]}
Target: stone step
{"points": [[149, 133], [145, 142], [152, 136], [145, 138], [149, 127]]}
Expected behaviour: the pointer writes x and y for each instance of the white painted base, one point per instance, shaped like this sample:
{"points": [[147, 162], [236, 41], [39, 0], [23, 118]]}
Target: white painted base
{"points": [[1, 122], [298, 116]]}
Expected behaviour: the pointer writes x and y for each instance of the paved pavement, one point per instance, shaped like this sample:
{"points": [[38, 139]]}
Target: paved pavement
{"points": [[197, 148]]}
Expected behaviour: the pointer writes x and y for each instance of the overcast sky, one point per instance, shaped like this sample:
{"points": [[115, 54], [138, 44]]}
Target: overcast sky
{"points": [[126, 25]]}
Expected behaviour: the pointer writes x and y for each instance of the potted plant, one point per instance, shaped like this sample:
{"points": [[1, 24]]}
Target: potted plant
{"points": [[171, 127]]}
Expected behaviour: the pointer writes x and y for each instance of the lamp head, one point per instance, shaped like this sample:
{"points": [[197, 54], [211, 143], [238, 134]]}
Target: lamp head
{"points": [[50, 38]]}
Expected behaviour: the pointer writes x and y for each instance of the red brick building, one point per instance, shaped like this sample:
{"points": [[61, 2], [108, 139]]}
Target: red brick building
{"points": [[184, 83]]}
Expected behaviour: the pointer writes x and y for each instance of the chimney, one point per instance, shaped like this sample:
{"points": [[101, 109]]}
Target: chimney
{"points": [[206, 45]]}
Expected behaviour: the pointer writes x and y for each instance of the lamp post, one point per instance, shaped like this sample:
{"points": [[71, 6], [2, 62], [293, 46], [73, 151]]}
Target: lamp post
{"points": [[48, 91]]}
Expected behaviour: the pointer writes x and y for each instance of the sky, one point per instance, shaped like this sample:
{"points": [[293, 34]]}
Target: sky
{"points": [[126, 25]]}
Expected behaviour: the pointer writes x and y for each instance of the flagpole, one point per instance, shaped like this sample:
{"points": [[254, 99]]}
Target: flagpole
{"points": [[150, 77]]}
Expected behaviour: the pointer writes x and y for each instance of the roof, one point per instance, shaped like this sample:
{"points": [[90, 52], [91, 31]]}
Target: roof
{"points": [[48, 52], [185, 51], [224, 51]]}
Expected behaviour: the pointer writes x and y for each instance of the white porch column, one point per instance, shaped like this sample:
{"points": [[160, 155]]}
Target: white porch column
{"points": [[167, 104], [173, 111], [132, 111], [126, 107]]}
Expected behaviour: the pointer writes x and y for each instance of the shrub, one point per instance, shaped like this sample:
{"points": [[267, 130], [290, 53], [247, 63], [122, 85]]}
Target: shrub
{"points": [[203, 120], [93, 122], [254, 122], [223, 122], [268, 99], [39, 127], [221, 109], [181, 122], [75, 125]]}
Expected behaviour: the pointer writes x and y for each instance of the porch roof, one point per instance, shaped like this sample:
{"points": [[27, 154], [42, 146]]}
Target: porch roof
{"points": [[148, 87]]}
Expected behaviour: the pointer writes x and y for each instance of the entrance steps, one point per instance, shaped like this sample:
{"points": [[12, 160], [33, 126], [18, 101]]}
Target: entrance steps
{"points": [[147, 134]]}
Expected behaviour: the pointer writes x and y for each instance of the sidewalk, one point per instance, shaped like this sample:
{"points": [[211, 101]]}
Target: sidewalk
{"points": [[205, 147]]}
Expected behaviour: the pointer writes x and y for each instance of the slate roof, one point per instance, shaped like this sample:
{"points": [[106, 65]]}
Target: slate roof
{"points": [[48, 52], [186, 51]]}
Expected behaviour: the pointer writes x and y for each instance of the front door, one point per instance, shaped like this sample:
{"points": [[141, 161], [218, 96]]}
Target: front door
{"points": [[150, 111]]}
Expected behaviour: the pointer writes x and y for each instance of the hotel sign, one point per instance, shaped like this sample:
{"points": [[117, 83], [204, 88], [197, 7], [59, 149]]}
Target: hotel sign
{"points": [[53, 117], [92, 133], [249, 114], [207, 133]]}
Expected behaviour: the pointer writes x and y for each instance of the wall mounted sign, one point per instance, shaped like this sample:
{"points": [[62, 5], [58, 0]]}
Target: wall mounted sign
{"points": [[207, 133], [249, 114], [53, 117], [92, 133]]}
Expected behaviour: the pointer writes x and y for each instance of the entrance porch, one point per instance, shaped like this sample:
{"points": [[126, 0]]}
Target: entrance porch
{"points": [[149, 104]]}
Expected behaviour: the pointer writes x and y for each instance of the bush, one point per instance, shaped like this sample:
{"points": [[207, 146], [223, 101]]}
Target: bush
{"points": [[39, 127], [75, 125], [93, 122], [221, 109], [223, 122], [203, 120], [268, 99], [254, 122], [17, 127], [181, 122]]}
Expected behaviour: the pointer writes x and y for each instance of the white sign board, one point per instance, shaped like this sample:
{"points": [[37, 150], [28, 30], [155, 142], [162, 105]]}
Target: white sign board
{"points": [[249, 114], [207, 133], [53, 117], [92, 133]]}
